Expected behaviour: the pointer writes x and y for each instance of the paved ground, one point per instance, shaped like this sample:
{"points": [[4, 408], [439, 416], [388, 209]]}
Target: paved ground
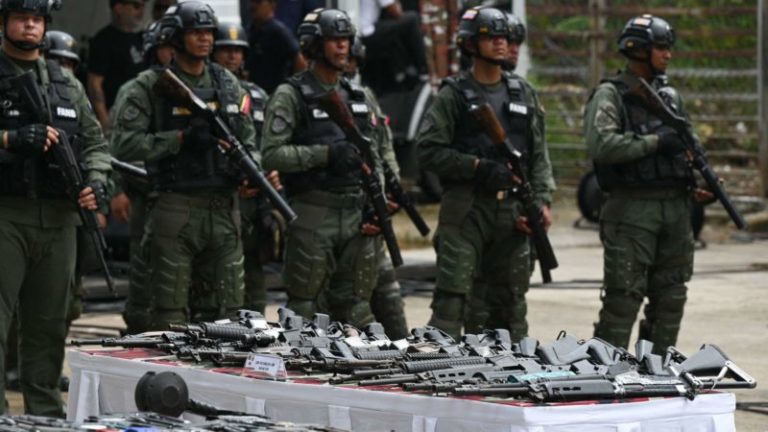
{"points": [[727, 306]]}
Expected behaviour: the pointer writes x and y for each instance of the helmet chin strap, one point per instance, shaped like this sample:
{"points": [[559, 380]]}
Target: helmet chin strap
{"points": [[21, 45], [504, 63]]}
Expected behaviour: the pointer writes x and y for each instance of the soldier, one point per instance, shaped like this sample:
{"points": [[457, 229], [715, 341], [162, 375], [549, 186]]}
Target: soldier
{"points": [[259, 222], [645, 223], [326, 251], [37, 218], [131, 199], [386, 301], [62, 47], [192, 230], [481, 232]]}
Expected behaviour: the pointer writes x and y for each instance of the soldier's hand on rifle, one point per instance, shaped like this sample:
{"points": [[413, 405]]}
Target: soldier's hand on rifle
{"points": [[492, 175], [521, 223], [370, 226], [246, 191], [30, 140], [392, 205], [703, 196], [670, 143], [274, 179], [343, 157], [101, 218], [198, 135]]}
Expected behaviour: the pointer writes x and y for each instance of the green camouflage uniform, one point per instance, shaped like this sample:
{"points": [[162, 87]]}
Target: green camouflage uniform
{"points": [[645, 222], [137, 314], [193, 229], [325, 249], [476, 237], [38, 250], [258, 220], [386, 301]]}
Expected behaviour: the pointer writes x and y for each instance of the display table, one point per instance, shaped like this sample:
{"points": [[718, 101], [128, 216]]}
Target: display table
{"points": [[103, 382]]}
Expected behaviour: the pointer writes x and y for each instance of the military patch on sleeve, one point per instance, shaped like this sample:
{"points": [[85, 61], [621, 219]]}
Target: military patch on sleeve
{"points": [[130, 113], [427, 124], [607, 117], [278, 125]]}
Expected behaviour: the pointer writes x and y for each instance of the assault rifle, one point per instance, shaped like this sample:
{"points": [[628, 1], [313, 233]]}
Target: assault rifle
{"points": [[171, 86], [402, 199], [30, 92], [490, 125], [332, 103], [646, 96]]}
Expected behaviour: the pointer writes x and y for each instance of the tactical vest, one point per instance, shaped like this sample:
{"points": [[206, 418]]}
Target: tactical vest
{"points": [[318, 128], [195, 169], [258, 105], [37, 176], [510, 107], [654, 170]]}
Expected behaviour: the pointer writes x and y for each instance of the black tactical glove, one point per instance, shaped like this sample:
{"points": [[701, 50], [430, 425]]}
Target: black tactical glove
{"points": [[343, 157], [28, 140], [670, 143], [198, 136], [493, 176], [100, 190]]}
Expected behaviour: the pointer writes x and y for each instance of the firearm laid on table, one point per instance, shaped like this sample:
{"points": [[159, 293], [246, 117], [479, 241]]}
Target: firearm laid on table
{"points": [[332, 103], [171, 86], [65, 159], [651, 100], [485, 116]]}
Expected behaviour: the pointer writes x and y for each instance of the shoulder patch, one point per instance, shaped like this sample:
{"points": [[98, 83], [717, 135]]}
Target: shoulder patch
{"points": [[130, 113]]}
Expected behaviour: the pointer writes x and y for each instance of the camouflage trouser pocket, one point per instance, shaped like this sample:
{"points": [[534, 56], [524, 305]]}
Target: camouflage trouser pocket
{"points": [[456, 261], [365, 270], [306, 268], [170, 265]]}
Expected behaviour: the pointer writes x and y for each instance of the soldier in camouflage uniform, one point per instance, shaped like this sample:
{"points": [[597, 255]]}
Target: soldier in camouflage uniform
{"points": [[645, 223], [482, 234], [193, 229], [38, 220], [386, 301], [132, 198], [259, 222], [326, 251]]}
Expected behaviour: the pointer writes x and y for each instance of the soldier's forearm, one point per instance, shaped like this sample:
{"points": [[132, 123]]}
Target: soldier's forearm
{"points": [[291, 158]]}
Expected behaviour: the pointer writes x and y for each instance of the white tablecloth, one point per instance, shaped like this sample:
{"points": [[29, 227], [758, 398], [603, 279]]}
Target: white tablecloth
{"points": [[101, 384]]}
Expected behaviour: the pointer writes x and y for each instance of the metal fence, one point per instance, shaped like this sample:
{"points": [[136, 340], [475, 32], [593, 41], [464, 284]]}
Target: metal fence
{"points": [[573, 45]]}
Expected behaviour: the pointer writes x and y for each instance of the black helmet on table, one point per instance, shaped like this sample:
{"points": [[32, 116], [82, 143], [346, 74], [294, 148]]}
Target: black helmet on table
{"points": [[37, 7], [230, 34], [61, 44], [321, 24], [189, 15], [642, 33]]}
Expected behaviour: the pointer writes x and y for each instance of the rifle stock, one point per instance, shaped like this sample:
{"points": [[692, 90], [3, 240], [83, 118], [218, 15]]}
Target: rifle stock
{"points": [[402, 199], [643, 93], [171, 86], [69, 167], [332, 103], [490, 125]]}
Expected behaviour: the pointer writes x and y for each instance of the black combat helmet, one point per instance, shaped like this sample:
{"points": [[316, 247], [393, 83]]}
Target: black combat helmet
{"points": [[189, 15], [320, 24], [641, 33], [62, 45], [482, 21], [517, 32], [230, 34], [151, 38], [357, 51], [37, 7]]}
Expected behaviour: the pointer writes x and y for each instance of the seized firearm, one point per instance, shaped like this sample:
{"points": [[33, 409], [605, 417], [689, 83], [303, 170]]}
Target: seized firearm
{"points": [[332, 103], [643, 93], [26, 85], [402, 199], [169, 85], [490, 125], [135, 172]]}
